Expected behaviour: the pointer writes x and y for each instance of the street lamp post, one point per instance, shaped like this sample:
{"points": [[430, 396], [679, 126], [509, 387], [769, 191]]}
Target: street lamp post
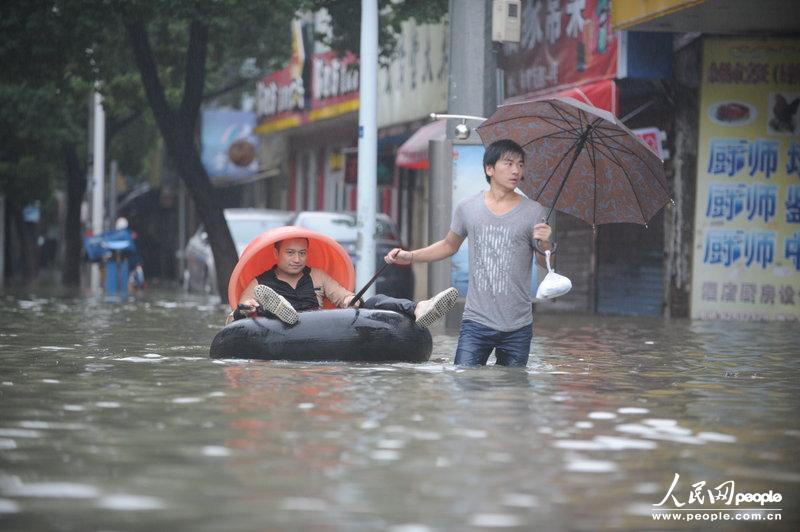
{"points": [[367, 143], [98, 175]]}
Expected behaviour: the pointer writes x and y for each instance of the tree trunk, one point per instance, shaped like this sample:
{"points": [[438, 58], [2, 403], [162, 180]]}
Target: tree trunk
{"points": [[191, 170], [28, 246], [76, 188], [178, 130]]}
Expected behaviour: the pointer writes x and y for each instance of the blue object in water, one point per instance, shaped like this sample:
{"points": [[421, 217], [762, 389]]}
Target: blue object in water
{"points": [[117, 275], [98, 247]]}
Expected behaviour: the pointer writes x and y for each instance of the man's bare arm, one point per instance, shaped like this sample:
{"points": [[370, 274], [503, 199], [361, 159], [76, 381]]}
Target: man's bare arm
{"points": [[442, 249]]}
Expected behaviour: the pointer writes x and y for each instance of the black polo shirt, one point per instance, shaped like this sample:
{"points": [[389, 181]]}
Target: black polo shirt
{"points": [[301, 298]]}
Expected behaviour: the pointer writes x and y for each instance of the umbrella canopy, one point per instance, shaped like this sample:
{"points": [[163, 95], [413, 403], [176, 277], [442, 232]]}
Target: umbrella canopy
{"points": [[581, 160]]}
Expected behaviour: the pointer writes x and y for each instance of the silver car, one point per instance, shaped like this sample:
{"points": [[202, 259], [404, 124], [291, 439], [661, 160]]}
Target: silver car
{"points": [[244, 224]]}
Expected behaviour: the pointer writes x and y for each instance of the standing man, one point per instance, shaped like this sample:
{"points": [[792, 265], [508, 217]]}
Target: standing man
{"points": [[502, 228]]}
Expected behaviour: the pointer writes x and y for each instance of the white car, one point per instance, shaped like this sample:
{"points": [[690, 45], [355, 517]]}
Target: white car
{"points": [[244, 224], [341, 226]]}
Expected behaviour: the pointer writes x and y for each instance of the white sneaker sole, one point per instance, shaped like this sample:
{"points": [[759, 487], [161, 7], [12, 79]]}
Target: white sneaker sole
{"points": [[441, 304], [276, 304]]}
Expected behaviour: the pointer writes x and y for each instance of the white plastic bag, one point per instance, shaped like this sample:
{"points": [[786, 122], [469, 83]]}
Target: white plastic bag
{"points": [[553, 284]]}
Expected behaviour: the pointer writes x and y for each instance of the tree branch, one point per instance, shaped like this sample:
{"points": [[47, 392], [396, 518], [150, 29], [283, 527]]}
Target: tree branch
{"points": [[115, 126], [195, 73], [244, 82], [137, 35]]}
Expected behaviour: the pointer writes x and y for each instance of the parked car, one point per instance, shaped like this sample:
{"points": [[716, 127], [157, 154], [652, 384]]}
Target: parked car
{"points": [[395, 281], [244, 224]]}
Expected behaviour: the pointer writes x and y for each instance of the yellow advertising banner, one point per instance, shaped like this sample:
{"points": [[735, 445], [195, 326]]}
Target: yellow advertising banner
{"points": [[746, 262], [626, 14]]}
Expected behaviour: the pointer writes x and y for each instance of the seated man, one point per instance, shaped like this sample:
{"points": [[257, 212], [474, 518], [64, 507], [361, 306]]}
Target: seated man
{"points": [[290, 287]]}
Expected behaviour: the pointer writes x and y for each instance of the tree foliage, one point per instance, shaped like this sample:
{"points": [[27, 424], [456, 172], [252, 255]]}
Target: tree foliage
{"points": [[152, 60], [345, 20]]}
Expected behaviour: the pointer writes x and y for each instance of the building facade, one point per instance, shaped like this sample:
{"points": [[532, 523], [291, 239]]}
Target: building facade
{"points": [[307, 121], [732, 238]]}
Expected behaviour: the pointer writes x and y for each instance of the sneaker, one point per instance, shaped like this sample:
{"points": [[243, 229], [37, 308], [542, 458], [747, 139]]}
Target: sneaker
{"points": [[430, 310], [276, 304]]}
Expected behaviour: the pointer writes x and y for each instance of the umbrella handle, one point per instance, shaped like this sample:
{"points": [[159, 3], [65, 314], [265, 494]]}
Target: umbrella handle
{"points": [[540, 250]]}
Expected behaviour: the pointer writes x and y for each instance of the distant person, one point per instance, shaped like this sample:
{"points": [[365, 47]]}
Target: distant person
{"points": [[502, 228], [291, 287], [136, 277]]}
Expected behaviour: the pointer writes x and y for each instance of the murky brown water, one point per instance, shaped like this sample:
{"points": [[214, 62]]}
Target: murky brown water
{"points": [[112, 417]]}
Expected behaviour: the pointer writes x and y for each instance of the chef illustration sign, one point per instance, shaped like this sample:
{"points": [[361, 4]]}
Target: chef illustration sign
{"points": [[746, 262]]}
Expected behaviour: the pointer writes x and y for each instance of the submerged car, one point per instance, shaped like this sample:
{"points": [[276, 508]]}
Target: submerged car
{"points": [[244, 224], [395, 281]]}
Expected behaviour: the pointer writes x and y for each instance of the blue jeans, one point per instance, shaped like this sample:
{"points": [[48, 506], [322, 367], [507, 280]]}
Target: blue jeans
{"points": [[476, 341]]}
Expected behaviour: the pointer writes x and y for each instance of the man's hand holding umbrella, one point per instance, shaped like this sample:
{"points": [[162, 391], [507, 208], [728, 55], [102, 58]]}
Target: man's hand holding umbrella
{"points": [[541, 234]]}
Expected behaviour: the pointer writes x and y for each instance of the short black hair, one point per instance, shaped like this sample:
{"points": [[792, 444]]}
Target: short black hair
{"points": [[497, 149], [279, 242]]}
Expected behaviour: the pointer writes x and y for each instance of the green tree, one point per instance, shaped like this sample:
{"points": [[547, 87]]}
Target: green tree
{"points": [[174, 48], [37, 150], [345, 20], [47, 76], [199, 41], [184, 52]]}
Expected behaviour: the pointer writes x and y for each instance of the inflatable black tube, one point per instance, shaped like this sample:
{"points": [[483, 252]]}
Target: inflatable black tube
{"points": [[344, 334]]}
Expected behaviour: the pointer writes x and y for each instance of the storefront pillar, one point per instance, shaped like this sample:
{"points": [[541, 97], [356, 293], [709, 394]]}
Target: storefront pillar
{"points": [[682, 174]]}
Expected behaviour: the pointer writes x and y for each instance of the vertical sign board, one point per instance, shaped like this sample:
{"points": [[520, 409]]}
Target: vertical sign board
{"points": [[469, 179], [746, 262]]}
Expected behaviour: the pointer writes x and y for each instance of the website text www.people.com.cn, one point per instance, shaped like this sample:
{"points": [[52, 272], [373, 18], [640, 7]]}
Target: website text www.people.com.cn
{"points": [[713, 516]]}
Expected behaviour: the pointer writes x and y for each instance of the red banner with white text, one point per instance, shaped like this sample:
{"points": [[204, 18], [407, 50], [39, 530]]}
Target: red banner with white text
{"points": [[564, 43]]}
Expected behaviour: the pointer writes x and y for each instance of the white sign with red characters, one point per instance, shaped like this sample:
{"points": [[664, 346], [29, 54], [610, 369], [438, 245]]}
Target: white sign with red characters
{"points": [[654, 137]]}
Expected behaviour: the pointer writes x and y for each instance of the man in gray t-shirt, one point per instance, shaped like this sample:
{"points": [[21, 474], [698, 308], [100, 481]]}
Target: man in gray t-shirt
{"points": [[500, 256], [502, 226]]}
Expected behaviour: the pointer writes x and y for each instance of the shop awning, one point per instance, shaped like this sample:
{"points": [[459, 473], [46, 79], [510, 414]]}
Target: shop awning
{"points": [[413, 153], [601, 94]]}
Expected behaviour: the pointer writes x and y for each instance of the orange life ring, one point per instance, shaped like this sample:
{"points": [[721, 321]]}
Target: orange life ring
{"points": [[259, 256]]}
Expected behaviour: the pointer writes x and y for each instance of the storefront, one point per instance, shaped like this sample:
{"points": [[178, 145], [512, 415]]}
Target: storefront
{"points": [[307, 113], [307, 116], [734, 235], [746, 263]]}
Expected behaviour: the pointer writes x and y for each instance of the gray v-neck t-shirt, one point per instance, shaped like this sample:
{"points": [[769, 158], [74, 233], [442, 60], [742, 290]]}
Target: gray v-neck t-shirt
{"points": [[500, 256]]}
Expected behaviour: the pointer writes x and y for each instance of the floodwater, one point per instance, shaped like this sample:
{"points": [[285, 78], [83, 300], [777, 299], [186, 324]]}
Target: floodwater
{"points": [[112, 417]]}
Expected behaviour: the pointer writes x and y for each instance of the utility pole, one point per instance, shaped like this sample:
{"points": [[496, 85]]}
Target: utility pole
{"points": [[472, 94], [473, 61], [367, 143], [98, 175]]}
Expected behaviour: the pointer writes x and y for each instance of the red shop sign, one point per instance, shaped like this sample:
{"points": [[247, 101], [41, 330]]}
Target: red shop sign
{"points": [[563, 43]]}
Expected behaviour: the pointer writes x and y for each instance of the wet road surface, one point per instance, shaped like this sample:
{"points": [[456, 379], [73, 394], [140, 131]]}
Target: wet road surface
{"points": [[112, 417]]}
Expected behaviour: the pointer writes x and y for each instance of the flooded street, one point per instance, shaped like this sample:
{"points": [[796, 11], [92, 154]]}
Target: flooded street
{"points": [[112, 417]]}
